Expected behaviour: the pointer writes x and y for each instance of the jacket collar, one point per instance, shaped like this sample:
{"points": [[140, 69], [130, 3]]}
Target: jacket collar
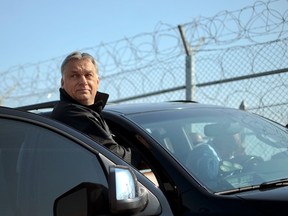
{"points": [[99, 101]]}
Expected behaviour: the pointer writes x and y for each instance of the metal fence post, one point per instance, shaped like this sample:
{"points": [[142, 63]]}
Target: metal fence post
{"points": [[190, 78], [189, 69], [190, 66]]}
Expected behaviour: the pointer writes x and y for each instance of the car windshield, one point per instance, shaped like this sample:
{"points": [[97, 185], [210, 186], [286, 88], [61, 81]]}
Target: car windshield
{"points": [[223, 149]]}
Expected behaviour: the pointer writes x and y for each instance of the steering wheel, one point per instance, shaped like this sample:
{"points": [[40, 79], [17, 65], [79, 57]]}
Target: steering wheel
{"points": [[251, 162], [239, 164]]}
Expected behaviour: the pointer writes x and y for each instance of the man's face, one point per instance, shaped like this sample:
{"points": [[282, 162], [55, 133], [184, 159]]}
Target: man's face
{"points": [[80, 80]]}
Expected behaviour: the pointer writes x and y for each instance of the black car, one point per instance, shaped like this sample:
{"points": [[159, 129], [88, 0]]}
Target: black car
{"points": [[47, 168], [206, 160]]}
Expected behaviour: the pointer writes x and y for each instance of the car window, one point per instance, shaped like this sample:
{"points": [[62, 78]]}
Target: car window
{"points": [[38, 165], [221, 149]]}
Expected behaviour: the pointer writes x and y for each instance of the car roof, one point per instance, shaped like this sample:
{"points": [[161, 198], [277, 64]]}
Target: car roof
{"points": [[133, 108], [129, 108]]}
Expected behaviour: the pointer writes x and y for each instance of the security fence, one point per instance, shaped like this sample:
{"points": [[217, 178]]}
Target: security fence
{"points": [[237, 59]]}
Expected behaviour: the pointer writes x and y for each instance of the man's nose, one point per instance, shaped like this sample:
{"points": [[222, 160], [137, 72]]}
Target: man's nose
{"points": [[82, 80]]}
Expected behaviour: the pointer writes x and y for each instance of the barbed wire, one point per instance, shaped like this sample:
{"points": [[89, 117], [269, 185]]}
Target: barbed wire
{"points": [[236, 43]]}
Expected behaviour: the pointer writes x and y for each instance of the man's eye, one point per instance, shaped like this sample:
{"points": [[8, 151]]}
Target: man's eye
{"points": [[89, 75]]}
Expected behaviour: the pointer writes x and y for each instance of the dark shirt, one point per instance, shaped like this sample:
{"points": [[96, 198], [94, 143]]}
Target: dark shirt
{"points": [[89, 120]]}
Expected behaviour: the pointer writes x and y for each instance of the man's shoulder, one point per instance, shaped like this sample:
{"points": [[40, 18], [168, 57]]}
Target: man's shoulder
{"points": [[65, 109]]}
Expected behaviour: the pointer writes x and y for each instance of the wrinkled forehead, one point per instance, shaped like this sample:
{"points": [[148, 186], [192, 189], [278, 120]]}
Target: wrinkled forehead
{"points": [[82, 66]]}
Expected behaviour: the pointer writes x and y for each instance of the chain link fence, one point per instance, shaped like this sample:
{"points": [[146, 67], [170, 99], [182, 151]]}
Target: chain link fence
{"points": [[236, 59]]}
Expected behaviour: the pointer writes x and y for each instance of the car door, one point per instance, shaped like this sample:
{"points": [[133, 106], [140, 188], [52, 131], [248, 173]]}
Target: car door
{"points": [[38, 164]]}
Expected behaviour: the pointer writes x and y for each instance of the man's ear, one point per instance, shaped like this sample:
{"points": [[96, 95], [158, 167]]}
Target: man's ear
{"points": [[62, 82]]}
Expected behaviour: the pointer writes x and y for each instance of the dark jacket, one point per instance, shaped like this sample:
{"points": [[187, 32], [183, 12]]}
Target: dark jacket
{"points": [[89, 120]]}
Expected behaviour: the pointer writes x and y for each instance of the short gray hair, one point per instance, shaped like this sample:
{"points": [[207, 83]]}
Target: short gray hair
{"points": [[78, 55]]}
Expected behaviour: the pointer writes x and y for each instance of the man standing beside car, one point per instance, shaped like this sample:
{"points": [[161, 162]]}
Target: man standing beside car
{"points": [[81, 103]]}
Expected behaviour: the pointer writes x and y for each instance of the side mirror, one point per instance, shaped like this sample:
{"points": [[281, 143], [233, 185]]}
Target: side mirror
{"points": [[85, 199], [124, 196]]}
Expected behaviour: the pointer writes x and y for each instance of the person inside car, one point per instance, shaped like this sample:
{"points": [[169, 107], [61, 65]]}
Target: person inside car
{"points": [[81, 103], [195, 138], [231, 149], [229, 146]]}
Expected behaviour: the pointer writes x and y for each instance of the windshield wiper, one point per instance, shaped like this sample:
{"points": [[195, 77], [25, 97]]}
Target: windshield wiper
{"points": [[274, 184], [264, 186], [238, 190]]}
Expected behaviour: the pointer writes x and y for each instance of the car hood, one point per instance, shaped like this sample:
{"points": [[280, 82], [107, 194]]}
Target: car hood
{"points": [[271, 194], [267, 202]]}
